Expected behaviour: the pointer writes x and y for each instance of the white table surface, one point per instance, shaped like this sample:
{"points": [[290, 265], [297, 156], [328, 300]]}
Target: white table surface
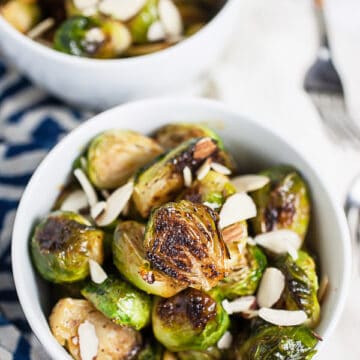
{"points": [[261, 75]]}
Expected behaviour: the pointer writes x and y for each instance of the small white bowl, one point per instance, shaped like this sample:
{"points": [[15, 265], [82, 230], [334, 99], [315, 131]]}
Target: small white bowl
{"points": [[100, 84], [254, 148]]}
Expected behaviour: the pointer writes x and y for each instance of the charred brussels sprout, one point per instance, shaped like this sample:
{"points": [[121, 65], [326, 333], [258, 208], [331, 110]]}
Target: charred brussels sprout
{"points": [[283, 203], [130, 259], [301, 285], [210, 354], [115, 155], [191, 320], [275, 342], [62, 244], [163, 181], [90, 37], [120, 302], [183, 242], [213, 189]]}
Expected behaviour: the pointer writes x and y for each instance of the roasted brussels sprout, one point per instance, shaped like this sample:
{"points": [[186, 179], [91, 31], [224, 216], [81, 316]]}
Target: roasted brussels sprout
{"points": [[183, 242], [283, 203], [163, 181], [90, 37], [190, 320], [209, 354], [114, 341], [172, 135], [115, 155], [275, 342], [21, 14], [301, 285], [62, 244], [120, 302], [151, 351], [213, 189], [130, 259]]}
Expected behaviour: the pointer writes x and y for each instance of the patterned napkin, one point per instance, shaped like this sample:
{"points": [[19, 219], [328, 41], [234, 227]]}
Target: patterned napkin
{"points": [[31, 123]]}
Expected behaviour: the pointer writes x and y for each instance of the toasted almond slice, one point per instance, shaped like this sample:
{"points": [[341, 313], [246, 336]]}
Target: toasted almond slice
{"points": [[97, 273], [86, 186], [237, 207], [170, 18], [323, 288], [75, 201], [122, 10], [187, 176], [249, 183], [88, 341], [238, 305], [203, 169], [233, 233], [271, 287], [212, 206], [115, 204], [204, 148], [156, 32], [225, 341], [41, 28], [283, 317], [83, 4], [97, 209], [279, 241], [221, 169]]}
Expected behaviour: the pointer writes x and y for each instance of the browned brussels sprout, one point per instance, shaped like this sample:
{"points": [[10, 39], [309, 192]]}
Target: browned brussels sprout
{"points": [[115, 155], [190, 320], [211, 353], [114, 341], [164, 180], [183, 242], [301, 285], [130, 259], [62, 245], [283, 203]]}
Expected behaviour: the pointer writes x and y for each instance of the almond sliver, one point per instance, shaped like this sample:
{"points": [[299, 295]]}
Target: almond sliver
{"points": [[203, 169], [97, 209], [271, 287], [225, 341], [187, 176], [88, 341], [238, 305], [249, 183], [283, 317], [221, 169], [122, 10], [156, 32], [97, 273], [75, 201], [170, 18], [86, 186]]}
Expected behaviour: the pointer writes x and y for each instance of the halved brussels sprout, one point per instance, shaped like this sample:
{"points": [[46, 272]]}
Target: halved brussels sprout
{"points": [[209, 354], [301, 285], [62, 245], [172, 135], [90, 37], [115, 155], [114, 341], [183, 242], [120, 302], [283, 203], [276, 342], [214, 188], [190, 320], [163, 181], [21, 14], [130, 259]]}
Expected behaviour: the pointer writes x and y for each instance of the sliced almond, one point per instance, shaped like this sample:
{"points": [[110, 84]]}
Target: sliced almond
{"points": [[203, 169], [83, 163], [323, 288], [271, 287], [75, 201], [88, 341], [115, 204], [237, 207], [83, 4], [247, 183], [283, 317], [41, 28], [212, 206], [250, 314], [97, 209], [156, 32], [221, 169], [97, 273], [86, 186], [187, 176], [122, 10], [105, 194], [239, 305], [232, 233], [279, 241], [250, 241], [95, 35], [204, 148], [170, 18], [225, 341]]}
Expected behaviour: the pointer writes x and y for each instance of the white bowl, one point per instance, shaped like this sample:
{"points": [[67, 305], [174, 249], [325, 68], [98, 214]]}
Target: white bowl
{"points": [[100, 84], [254, 148]]}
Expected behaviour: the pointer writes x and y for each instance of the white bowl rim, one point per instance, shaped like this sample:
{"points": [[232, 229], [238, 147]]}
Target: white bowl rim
{"points": [[78, 60], [185, 102]]}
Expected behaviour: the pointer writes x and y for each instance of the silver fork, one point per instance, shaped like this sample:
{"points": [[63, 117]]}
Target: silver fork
{"points": [[323, 84]]}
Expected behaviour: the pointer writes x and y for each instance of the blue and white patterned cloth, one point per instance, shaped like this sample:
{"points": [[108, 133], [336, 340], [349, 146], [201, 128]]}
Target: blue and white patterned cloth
{"points": [[31, 123]]}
